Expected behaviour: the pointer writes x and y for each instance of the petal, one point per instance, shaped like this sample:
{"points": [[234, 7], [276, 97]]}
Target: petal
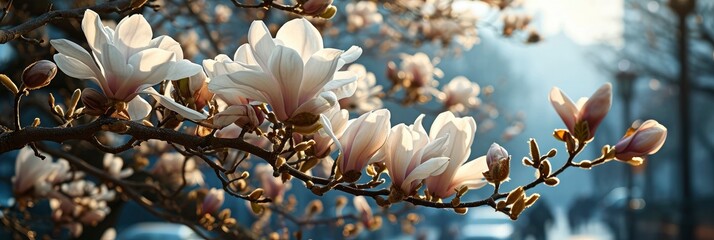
{"points": [[244, 54], [300, 35], [183, 69], [138, 109], [287, 70], [564, 107], [431, 167], [167, 43], [172, 105], [327, 128], [344, 84], [349, 56], [229, 115], [75, 68], [261, 42], [151, 66], [73, 50], [471, 172], [133, 33], [319, 70], [94, 30], [117, 72]]}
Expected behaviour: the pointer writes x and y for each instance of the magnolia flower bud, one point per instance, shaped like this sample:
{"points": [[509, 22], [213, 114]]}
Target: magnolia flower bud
{"points": [[213, 201], [95, 103], [39, 74], [314, 7], [587, 112], [646, 140], [498, 162]]}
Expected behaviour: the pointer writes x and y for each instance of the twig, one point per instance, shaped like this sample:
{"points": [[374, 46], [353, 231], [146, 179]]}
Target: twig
{"points": [[25, 27]]}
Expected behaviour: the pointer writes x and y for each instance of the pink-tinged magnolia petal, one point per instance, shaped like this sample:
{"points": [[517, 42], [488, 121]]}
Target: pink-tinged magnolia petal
{"points": [[196, 82], [118, 73], [244, 54], [400, 150], [299, 34], [597, 107], [433, 149], [172, 105], [261, 42], [646, 140], [29, 169], [470, 174], [250, 84], [138, 109], [564, 107], [461, 133], [167, 43], [318, 105], [132, 34], [229, 115], [431, 167], [287, 69], [183, 69], [94, 30], [319, 70], [76, 69], [364, 137]]}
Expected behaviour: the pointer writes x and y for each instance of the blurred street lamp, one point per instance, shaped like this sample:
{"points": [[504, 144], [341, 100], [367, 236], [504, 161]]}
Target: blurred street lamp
{"points": [[683, 8]]}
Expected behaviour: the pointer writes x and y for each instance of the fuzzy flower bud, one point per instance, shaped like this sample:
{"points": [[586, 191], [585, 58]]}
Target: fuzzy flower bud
{"points": [[39, 74], [95, 103], [498, 162], [645, 140], [315, 7]]}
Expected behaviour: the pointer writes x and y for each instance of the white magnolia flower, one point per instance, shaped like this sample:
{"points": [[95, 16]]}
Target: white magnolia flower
{"points": [[361, 141], [412, 156], [366, 96], [458, 148], [293, 73], [113, 165], [460, 95], [169, 169], [126, 61], [273, 187], [420, 71], [362, 14], [213, 201], [32, 173]]}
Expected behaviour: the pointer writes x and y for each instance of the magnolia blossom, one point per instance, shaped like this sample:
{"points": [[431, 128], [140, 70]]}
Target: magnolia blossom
{"points": [[169, 169], [125, 61], [498, 162], [645, 140], [420, 71], [32, 173], [292, 73], [364, 211], [80, 202], [213, 201], [222, 13], [361, 141], [362, 14], [324, 143], [412, 156], [460, 95], [366, 96], [460, 133], [273, 187], [590, 111], [114, 164]]}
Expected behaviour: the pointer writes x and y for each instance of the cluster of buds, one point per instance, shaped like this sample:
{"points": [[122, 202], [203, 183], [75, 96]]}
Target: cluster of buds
{"points": [[516, 202]]}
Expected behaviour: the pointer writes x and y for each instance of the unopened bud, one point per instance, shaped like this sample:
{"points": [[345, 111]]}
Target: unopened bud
{"points": [[36, 122], [329, 12], [39, 74], [8, 84], [95, 103], [461, 211], [586, 164], [255, 195], [73, 102], [552, 181]]}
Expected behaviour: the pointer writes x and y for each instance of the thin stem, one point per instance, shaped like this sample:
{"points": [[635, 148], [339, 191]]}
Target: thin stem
{"points": [[18, 96]]}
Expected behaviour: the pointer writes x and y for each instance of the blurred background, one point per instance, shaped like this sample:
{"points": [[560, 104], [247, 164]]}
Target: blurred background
{"points": [[658, 54]]}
